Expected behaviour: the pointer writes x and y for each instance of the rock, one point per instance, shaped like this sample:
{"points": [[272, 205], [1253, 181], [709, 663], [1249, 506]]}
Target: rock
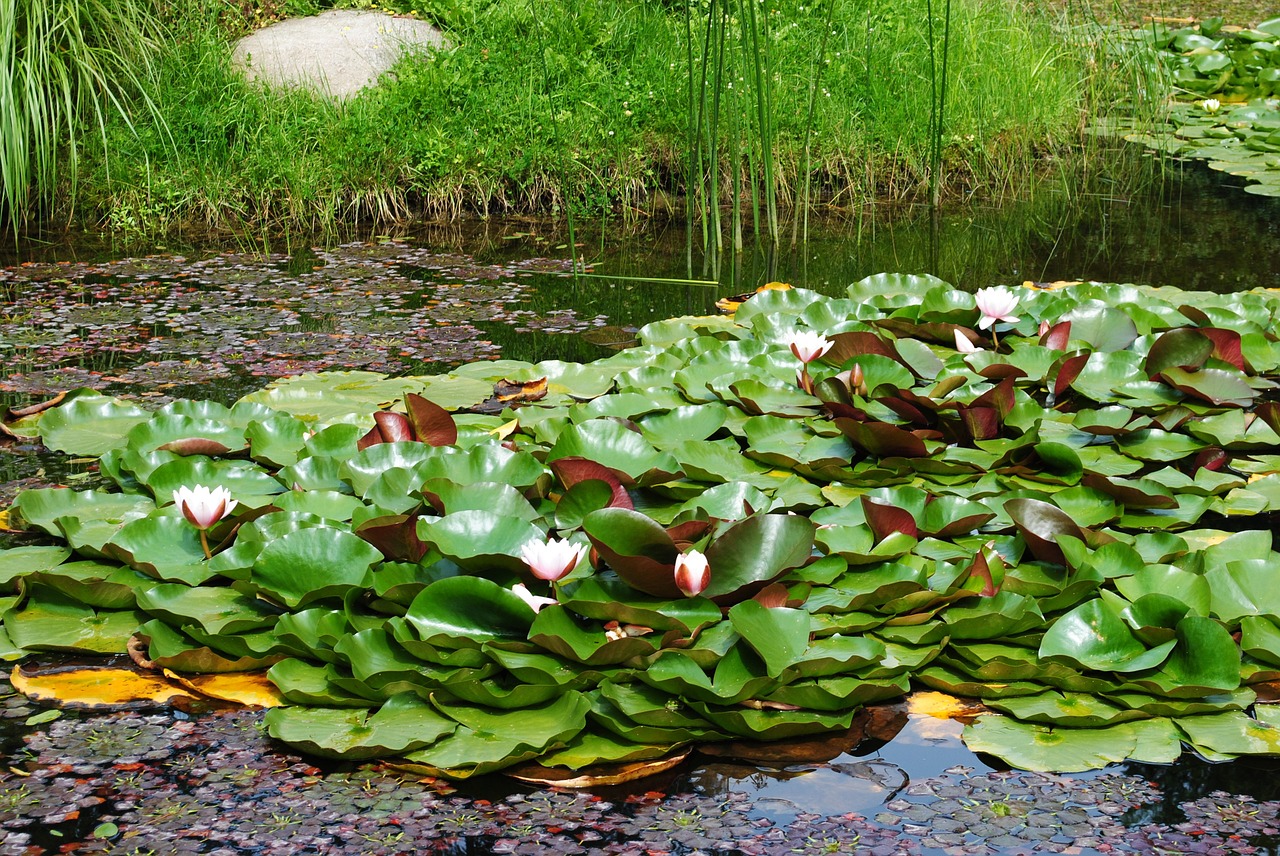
{"points": [[335, 53]]}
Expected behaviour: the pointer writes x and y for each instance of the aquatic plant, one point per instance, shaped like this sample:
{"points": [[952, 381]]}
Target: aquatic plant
{"points": [[1225, 106], [1070, 528], [65, 65]]}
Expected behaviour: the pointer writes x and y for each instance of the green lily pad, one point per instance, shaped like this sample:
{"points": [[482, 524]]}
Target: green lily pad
{"points": [[90, 424], [312, 564], [51, 621], [467, 612], [1094, 636], [403, 724], [1028, 746]]}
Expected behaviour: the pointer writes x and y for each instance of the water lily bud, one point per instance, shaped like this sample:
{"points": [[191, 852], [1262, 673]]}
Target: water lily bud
{"points": [[1044, 327], [995, 304], [202, 506], [857, 381], [808, 345], [552, 560], [964, 345], [693, 573], [1211, 105]]}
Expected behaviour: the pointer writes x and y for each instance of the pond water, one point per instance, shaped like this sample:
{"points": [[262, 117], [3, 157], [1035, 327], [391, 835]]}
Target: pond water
{"points": [[218, 322]]}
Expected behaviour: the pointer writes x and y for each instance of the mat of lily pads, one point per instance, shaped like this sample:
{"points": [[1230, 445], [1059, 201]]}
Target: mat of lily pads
{"points": [[1069, 518], [1225, 106]]}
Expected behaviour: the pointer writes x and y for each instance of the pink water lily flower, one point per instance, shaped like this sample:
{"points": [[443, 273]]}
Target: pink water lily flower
{"points": [[693, 573], [535, 602], [203, 506], [808, 345], [995, 304], [552, 560]]}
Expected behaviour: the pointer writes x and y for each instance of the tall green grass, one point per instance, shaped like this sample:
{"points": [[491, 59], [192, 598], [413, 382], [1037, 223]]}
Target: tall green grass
{"points": [[67, 67], [618, 106]]}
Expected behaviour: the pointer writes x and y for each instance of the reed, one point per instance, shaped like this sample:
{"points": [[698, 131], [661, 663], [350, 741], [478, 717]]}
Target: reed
{"points": [[66, 68]]}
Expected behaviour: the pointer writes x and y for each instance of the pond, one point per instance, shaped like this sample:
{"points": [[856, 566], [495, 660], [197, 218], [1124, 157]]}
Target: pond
{"points": [[217, 323]]}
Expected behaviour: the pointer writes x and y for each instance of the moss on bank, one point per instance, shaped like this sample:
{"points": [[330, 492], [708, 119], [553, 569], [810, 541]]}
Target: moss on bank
{"points": [[581, 102]]}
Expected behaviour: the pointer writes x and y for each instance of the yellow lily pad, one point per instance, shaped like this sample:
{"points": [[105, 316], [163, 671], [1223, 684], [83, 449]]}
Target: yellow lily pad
{"points": [[942, 706], [98, 688], [251, 689]]}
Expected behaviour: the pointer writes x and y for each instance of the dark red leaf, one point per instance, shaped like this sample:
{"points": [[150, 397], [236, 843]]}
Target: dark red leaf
{"points": [[396, 536], [1057, 337], [1068, 371], [572, 470], [885, 519], [395, 427], [980, 423], [1226, 346], [855, 343], [979, 569], [431, 423]]}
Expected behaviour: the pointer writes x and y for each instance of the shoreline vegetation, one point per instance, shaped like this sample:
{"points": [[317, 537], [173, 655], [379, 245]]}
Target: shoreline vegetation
{"points": [[607, 107], [721, 111]]}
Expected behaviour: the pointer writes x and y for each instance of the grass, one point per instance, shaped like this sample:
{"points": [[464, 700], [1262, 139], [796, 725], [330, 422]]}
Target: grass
{"points": [[66, 67], [593, 114]]}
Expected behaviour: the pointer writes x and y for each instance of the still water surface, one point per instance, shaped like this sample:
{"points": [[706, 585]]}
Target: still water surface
{"points": [[219, 322]]}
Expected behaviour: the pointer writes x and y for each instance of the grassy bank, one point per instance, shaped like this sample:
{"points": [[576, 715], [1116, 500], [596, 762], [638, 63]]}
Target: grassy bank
{"points": [[585, 103]]}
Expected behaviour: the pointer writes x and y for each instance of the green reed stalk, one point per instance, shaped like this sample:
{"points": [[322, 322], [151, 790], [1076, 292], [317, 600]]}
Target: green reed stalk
{"points": [[556, 142], [691, 136], [815, 86], [65, 65], [713, 127], [936, 168], [757, 45]]}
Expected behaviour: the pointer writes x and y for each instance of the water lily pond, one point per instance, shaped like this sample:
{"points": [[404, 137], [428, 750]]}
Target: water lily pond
{"points": [[947, 535]]}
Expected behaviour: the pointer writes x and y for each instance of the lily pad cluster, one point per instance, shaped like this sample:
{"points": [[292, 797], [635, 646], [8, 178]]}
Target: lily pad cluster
{"points": [[1226, 105], [1065, 513]]}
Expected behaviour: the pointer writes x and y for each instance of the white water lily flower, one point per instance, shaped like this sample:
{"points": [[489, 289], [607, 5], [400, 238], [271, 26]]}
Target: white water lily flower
{"points": [[808, 345], [995, 304], [963, 345], [536, 602], [552, 560], [693, 573], [203, 506], [1211, 105]]}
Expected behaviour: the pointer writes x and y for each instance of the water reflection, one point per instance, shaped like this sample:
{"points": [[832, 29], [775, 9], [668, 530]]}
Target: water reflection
{"points": [[1182, 226]]}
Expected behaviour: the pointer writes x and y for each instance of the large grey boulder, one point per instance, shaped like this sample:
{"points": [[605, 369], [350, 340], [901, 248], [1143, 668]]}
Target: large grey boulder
{"points": [[336, 53]]}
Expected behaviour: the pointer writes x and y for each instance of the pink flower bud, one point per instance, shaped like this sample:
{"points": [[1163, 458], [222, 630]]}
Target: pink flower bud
{"points": [[693, 573]]}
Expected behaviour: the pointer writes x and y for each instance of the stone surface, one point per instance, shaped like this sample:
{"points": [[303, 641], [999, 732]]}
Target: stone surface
{"points": [[336, 53]]}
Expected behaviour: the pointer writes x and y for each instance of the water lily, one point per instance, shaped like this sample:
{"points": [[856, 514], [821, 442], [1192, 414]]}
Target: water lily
{"points": [[535, 602], [203, 507], [1211, 105], [693, 573], [995, 304], [552, 560], [808, 345]]}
